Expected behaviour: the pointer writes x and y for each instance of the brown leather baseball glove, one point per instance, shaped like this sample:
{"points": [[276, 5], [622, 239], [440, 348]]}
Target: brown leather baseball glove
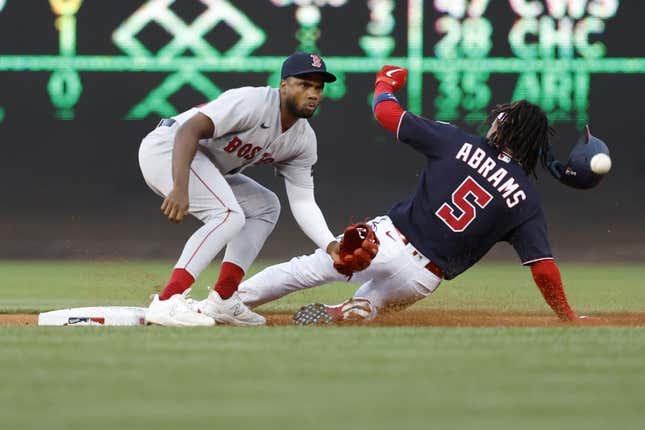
{"points": [[358, 247]]}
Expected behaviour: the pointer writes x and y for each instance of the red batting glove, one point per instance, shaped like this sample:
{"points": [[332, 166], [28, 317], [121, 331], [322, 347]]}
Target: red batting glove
{"points": [[394, 76]]}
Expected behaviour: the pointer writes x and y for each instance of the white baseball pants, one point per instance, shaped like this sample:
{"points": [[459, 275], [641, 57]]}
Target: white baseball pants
{"points": [[395, 279], [237, 212]]}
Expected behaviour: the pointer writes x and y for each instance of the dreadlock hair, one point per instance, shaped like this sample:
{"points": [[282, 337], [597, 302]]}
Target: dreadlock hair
{"points": [[523, 132]]}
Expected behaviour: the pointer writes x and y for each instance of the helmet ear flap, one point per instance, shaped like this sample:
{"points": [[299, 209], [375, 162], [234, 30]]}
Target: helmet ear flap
{"points": [[577, 172]]}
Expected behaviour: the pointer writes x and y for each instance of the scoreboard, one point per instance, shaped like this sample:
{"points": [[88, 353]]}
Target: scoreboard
{"points": [[458, 51], [82, 81]]}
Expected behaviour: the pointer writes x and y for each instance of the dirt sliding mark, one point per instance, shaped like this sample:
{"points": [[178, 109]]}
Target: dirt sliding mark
{"points": [[429, 318]]}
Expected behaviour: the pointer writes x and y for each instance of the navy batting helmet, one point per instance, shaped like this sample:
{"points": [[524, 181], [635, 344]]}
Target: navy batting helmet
{"points": [[588, 163]]}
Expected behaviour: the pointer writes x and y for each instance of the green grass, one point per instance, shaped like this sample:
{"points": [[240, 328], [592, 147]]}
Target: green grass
{"points": [[290, 377], [31, 286], [320, 378]]}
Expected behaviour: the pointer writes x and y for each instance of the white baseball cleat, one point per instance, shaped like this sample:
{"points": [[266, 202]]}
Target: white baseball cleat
{"points": [[230, 311], [175, 312], [354, 309]]}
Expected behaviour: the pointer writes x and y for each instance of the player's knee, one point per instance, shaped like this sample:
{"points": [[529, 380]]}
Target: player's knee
{"points": [[422, 290], [270, 211], [219, 213], [235, 220], [274, 208]]}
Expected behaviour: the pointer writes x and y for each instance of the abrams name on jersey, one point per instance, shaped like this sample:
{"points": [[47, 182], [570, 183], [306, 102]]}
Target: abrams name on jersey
{"points": [[497, 176]]}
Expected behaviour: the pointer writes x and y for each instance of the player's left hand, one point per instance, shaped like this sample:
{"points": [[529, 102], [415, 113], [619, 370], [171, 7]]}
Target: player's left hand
{"points": [[393, 76]]}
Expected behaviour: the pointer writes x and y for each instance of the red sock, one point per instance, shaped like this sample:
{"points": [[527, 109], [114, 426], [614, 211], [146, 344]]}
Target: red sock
{"points": [[180, 281], [230, 276]]}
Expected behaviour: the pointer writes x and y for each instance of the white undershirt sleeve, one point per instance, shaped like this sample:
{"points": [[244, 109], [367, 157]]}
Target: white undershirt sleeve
{"points": [[308, 215]]}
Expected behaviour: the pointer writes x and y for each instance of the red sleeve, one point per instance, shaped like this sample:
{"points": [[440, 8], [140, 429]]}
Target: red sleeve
{"points": [[388, 113], [547, 277]]}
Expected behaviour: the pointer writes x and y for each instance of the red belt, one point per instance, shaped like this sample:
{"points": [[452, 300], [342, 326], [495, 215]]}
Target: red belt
{"points": [[430, 266]]}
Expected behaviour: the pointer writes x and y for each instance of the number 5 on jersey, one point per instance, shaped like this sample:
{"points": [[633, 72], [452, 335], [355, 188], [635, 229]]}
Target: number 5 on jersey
{"points": [[468, 211]]}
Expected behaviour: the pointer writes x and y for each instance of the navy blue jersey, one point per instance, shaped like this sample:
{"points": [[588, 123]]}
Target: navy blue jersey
{"points": [[470, 196]]}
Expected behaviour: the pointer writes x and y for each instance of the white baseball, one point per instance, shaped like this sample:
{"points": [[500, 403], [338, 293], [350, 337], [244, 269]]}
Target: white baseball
{"points": [[600, 164]]}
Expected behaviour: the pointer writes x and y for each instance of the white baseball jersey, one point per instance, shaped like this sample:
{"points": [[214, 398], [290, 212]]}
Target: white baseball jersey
{"points": [[238, 212], [248, 131]]}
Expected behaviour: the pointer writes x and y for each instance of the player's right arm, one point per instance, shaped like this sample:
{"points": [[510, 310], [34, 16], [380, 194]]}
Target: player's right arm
{"points": [[386, 107], [235, 109], [429, 137], [199, 126]]}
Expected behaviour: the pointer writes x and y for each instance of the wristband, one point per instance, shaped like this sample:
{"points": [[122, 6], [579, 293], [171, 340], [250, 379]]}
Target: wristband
{"points": [[383, 97]]}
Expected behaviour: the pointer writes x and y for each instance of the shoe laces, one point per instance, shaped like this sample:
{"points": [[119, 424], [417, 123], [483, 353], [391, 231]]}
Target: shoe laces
{"points": [[186, 294], [192, 304], [237, 301], [183, 302]]}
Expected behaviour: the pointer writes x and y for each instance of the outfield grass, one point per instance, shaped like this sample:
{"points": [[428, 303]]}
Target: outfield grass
{"points": [[292, 377], [320, 378]]}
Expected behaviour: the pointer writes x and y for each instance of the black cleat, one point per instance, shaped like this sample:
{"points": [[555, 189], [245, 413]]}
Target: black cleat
{"points": [[313, 314]]}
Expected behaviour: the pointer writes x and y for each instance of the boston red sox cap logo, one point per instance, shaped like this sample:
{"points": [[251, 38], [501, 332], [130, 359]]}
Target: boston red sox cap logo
{"points": [[316, 61], [302, 63]]}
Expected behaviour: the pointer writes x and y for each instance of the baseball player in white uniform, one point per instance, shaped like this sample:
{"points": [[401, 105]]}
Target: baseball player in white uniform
{"points": [[195, 159]]}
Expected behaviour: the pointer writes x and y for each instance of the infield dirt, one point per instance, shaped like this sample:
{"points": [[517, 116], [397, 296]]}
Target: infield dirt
{"points": [[430, 318]]}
